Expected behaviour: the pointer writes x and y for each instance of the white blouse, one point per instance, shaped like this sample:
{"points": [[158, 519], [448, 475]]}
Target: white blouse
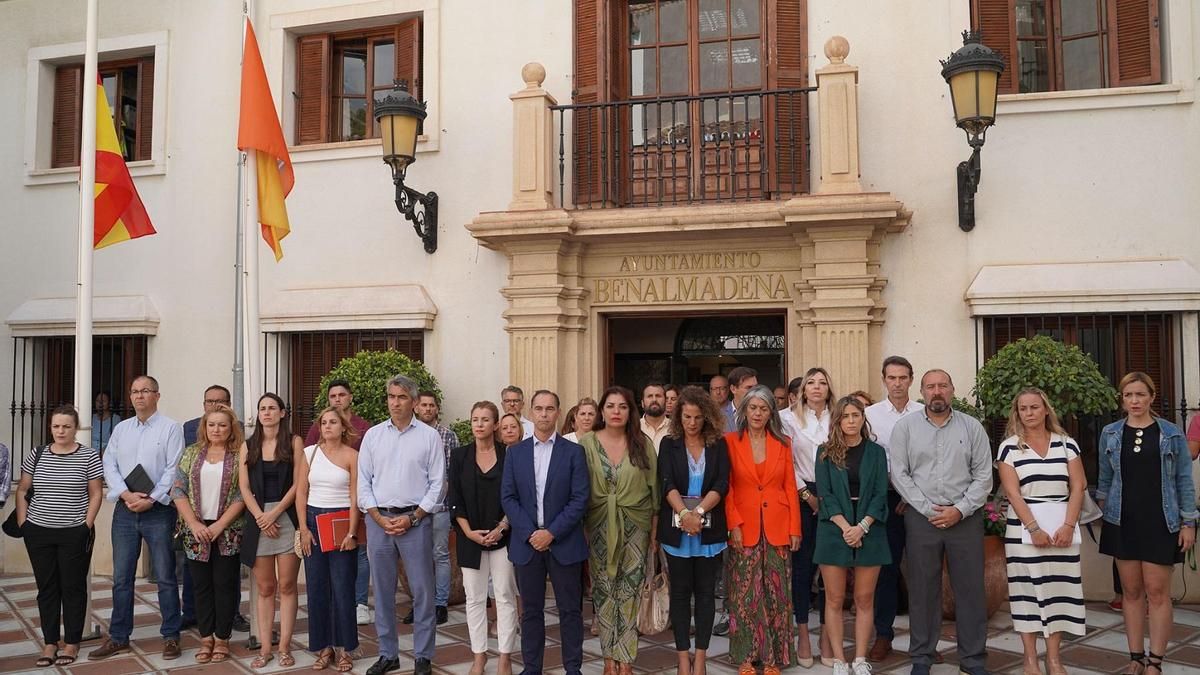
{"points": [[805, 441]]}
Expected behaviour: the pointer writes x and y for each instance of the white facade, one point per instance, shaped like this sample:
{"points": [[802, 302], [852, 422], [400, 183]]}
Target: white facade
{"points": [[1070, 180]]}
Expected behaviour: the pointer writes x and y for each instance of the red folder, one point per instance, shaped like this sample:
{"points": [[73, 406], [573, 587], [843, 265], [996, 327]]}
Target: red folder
{"points": [[332, 529]]}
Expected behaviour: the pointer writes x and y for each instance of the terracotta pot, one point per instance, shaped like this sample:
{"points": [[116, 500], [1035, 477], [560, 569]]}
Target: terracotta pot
{"points": [[457, 595], [995, 579]]}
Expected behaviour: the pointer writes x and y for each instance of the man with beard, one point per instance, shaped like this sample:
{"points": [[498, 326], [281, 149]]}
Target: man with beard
{"points": [[655, 422], [942, 467]]}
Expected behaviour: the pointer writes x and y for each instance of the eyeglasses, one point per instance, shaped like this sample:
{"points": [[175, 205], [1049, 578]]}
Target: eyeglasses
{"points": [[143, 392], [220, 402]]}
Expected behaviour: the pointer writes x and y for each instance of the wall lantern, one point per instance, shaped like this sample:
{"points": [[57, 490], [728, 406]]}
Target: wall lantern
{"points": [[973, 73], [399, 116]]}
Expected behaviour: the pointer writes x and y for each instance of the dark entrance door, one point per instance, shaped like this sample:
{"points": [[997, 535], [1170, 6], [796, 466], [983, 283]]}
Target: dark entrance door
{"points": [[691, 348]]}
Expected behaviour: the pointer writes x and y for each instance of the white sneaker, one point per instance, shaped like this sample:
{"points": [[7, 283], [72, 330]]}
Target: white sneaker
{"points": [[363, 615], [840, 668], [861, 667]]}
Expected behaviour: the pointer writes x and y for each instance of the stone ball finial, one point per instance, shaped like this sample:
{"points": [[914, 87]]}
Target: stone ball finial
{"points": [[534, 74], [837, 48]]}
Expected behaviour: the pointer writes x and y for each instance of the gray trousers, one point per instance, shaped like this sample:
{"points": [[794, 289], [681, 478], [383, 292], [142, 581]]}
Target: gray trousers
{"points": [[962, 548], [415, 548]]}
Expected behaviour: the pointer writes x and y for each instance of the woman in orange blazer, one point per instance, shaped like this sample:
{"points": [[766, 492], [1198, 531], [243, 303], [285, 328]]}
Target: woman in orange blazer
{"points": [[763, 515]]}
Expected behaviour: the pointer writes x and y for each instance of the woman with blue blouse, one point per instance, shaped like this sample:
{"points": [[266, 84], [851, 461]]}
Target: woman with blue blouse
{"points": [[693, 467]]}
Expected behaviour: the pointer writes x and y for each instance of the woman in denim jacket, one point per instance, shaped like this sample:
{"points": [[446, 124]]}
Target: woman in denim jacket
{"points": [[1141, 458]]}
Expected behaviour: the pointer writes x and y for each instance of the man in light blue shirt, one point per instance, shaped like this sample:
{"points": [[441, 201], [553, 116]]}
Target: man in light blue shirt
{"points": [[401, 470], [153, 442]]}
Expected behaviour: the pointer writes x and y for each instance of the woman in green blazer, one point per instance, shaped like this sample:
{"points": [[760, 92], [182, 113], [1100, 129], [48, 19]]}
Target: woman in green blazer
{"points": [[852, 481]]}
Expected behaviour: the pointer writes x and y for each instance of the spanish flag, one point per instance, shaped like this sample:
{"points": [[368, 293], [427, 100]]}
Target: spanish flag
{"points": [[259, 130], [120, 215]]}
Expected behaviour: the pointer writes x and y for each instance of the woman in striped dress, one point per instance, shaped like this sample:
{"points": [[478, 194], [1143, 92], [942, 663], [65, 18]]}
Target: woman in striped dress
{"points": [[1040, 464]]}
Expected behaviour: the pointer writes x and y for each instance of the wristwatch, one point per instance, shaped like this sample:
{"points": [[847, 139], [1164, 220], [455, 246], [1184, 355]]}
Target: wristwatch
{"points": [[414, 519], [700, 511]]}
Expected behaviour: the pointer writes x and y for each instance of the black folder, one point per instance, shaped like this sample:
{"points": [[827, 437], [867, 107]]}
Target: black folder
{"points": [[139, 481]]}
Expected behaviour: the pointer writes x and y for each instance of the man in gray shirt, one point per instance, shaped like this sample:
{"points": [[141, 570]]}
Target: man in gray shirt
{"points": [[942, 467]]}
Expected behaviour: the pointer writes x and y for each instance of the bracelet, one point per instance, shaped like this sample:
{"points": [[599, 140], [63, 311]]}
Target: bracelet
{"points": [[682, 512], [865, 527], [805, 493], [1033, 528], [1190, 523]]}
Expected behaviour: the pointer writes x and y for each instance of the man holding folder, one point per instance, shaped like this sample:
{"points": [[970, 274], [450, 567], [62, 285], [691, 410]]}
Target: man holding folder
{"points": [[139, 467]]}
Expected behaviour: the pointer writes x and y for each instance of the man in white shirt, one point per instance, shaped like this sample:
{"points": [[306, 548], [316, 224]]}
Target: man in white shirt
{"points": [[655, 422], [897, 380], [512, 399]]}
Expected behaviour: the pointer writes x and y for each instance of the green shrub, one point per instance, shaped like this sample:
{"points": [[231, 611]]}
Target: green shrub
{"points": [[1070, 378], [462, 429], [368, 373]]}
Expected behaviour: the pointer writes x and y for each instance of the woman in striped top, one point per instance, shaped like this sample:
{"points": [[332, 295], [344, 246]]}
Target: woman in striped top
{"points": [[1040, 464], [64, 478]]}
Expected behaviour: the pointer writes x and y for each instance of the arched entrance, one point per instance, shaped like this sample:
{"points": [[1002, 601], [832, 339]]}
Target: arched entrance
{"points": [[690, 348]]}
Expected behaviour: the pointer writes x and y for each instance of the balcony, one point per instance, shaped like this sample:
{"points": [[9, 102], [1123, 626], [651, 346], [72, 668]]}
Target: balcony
{"points": [[680, 150]]}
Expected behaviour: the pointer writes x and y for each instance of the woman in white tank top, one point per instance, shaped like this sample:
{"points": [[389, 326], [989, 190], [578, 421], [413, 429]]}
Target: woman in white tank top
{"points": [[327, 480]]}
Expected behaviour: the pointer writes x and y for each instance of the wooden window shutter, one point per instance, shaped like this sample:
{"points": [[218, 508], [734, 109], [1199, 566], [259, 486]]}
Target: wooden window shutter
{"points": [[408, 56], [145, 120], [788, 69], [1134, 43], [1148, 348], [68, 103], [996, 21], [312, 89], [587, 88]]}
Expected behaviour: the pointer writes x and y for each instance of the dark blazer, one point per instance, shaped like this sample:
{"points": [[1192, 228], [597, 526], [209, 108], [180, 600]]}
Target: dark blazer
{"points": [[564, 502], [833, 484], [673, 475], [250, 531], [460, 498]]}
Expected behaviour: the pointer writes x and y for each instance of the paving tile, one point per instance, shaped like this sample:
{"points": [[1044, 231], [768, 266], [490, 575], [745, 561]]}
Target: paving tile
{"points": [[1085, 656], [113, 666]]}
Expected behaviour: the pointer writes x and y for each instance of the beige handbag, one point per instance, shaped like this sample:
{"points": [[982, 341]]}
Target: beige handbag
{"points": [[656, 597]]}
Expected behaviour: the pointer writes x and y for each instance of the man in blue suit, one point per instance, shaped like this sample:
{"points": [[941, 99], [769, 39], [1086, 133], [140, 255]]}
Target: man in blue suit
{"points": [[547, 532]]}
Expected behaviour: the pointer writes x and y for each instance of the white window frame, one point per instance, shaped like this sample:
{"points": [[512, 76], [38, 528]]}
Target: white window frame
{"points": [[40, 66], [285, 28]]}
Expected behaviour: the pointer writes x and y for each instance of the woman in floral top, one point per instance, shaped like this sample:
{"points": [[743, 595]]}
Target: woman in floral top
{"points": [[209, 502]]}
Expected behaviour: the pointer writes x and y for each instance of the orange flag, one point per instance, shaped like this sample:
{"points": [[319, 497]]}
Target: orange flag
{"points": [[120, 215], [259, 130]]}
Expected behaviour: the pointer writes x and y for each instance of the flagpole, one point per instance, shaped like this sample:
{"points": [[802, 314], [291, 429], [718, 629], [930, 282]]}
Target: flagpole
{"points": [[87, 228], [237, 382]]}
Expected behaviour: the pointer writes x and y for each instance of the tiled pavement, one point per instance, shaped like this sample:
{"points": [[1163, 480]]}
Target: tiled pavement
{"points": [[1102, 650]]}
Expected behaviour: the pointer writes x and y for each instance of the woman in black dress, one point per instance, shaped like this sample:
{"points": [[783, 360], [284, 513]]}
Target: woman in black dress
{"points": [[1149, 504]]}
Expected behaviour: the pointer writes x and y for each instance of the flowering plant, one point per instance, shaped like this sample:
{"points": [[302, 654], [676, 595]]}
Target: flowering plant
{"points": [[995, 519]]}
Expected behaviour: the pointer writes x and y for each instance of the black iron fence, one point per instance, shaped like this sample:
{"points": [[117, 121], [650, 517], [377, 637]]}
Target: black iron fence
{"points": [[1119, 343], [683, 149], [44, 377], [295, 362]]}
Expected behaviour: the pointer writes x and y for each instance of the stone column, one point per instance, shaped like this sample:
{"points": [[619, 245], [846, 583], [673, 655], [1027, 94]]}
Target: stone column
{"points": [[532, 143], [837, 104]]}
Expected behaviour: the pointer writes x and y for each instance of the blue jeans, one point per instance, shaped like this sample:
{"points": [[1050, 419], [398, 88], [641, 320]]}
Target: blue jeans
{"points": [[362, 588], [128, 530], [441, 558], [330, 576]]}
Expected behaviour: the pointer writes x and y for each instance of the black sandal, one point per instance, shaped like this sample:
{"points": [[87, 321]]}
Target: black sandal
{"points": [[1139, 658], [46, 661], [1154, 661]]}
